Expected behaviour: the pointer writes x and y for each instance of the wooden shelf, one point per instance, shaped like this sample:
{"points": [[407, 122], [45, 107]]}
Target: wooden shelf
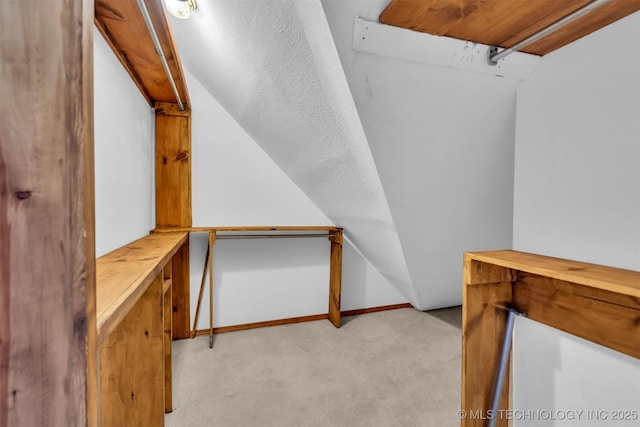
{"points": [[332, 233], [624, 282], [600, 304], [264, 228], [123, 275], [134, 321]]}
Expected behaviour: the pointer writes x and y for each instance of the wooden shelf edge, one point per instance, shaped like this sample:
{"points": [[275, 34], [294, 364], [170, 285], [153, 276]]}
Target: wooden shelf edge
{"points": [[617, 280], [259, 228], [109, 316]]}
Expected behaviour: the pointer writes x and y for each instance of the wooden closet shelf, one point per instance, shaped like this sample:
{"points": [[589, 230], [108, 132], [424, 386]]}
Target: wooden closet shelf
{"points": [[123, 275]]}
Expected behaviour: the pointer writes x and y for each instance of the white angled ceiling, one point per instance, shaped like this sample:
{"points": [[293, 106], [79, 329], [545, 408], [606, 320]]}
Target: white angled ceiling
{"points": [[273, 65]]}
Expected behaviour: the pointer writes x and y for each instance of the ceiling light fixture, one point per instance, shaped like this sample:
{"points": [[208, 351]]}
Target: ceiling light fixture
{"points": [[181, 9]]}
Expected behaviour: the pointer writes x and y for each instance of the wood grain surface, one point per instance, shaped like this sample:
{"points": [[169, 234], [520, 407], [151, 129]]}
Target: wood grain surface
{"points": [[132, 365], [123, 275], [47, 282], [503, 22], [335, 278], [123, 27], [173, 200], [168, 337], [245, 228], [483, 326], [615, 280], [598, 303]]}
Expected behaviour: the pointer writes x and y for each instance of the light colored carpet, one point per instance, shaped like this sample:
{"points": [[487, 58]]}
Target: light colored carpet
{"points": [[391, 368]]}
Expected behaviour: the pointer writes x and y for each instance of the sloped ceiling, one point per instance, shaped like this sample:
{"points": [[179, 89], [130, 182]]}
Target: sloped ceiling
{"points": [[273, 66]]}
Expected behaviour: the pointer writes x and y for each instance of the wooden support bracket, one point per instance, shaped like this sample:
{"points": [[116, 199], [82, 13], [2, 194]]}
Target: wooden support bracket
{"points": [[597, 303]]}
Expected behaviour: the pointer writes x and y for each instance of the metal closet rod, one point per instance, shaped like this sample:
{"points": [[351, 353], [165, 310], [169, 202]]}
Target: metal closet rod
{"points": [[159, 52], [494, 56], [270, 236]]}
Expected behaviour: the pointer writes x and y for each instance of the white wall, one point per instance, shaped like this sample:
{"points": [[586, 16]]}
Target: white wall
{"points": [[558, 375], [577, 196], [442, 139], [234, 182], [577, 180], [124, 154]]}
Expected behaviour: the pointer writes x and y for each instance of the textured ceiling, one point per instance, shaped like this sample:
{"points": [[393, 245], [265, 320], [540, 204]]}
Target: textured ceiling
{"points": [[273, 66]]}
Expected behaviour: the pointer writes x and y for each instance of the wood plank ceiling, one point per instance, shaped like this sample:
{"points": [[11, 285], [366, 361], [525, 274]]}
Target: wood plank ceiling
{"points": [[503, 22], [123, 27]]}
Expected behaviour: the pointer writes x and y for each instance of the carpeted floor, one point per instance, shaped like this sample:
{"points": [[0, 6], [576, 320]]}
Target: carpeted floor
{"points": [[391, 368]]}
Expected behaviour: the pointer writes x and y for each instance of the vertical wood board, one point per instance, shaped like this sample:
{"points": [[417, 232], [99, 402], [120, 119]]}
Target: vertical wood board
{"points": [[483, 328], [173, 167], [335, 278], [168, 336], [180, 293], [47, 277], [132, 365], [173, 199]]}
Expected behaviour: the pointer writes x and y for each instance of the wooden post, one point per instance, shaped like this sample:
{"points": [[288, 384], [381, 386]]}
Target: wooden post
{"points": [[47, 255], [486, 292], [212, 241], [167, 318], [173, 199], [335, 278]]}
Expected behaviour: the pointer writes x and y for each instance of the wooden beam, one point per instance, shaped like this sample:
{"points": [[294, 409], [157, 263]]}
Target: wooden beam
{"points": [[614, 280], [258, 228], [173, 166], [47, 279], [180, 293], [503, 22], [486, 291], [335, 278], [597, 315], [168, 337], [589, 23], [123, 27], [212, 241], [90, 286], [173, 200], [137, 80]]}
